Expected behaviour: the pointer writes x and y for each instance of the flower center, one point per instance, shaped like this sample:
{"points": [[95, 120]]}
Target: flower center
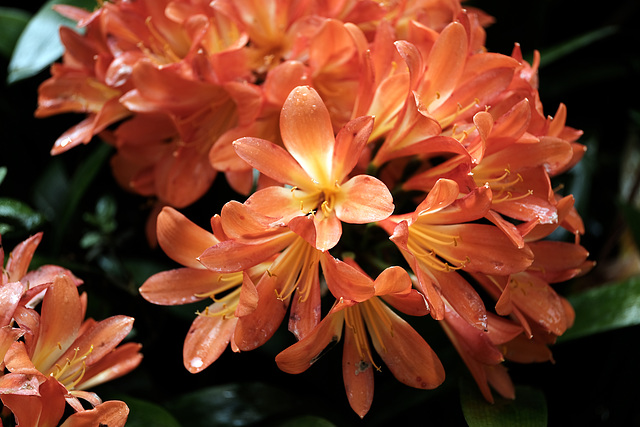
{"points": [[72, 371]]}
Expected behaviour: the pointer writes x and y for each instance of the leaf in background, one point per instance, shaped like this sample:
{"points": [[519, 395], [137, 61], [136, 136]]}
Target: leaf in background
{"points": [[12, 23], [144, 414], [3, 173], [39, 44], [557, 52], [18, 216], [529, 409], [231, 404], [606, 307]]}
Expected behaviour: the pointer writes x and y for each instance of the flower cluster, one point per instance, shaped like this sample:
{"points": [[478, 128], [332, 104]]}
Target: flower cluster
{"points": [[51, 356], [363, 121]]}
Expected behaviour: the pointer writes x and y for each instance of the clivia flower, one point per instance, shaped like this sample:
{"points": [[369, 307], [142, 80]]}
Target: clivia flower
{"points": [[315, 166], [361, 310]]}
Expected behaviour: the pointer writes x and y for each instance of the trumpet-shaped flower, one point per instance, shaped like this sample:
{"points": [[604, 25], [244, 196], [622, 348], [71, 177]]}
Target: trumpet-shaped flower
{"points": [[316, 166], [233, 295], [439, 238], [360, 310], [58, 344]]}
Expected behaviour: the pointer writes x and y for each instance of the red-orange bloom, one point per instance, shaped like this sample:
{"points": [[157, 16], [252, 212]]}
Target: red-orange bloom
{"points": [[361, 308], [232, 295], [439, 238], [58, 344], [316, 166]]}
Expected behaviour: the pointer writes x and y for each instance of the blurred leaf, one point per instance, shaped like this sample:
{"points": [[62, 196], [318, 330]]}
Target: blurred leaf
{"points": [[81, 181], [604, 308], [143, 414], [12, 23], [307, 421], [3, 173], [39, 44], [557, 52], [18, 216], [529, 409], [231, 404], [632, 218]]}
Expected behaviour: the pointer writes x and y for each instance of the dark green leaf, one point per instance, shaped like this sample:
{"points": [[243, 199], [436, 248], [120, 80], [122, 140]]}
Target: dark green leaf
{"points": [[529, 409], [79, 184], [144, 414], [39, 44], [18, 216], [604, 308], [12, 23], [3, 173], [632, 217], [231, 404], [557, 52]]}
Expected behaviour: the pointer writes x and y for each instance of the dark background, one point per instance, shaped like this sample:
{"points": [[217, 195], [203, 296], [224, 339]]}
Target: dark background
{"points": [[593, 380]]}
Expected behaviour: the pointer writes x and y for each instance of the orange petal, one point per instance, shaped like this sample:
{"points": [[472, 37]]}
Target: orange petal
{"points": [[61, 317], [350, 142], [112, 413], [278, 203], [10, 294], [248, 300], [208, 337], [231, 256], [392, 280], [364, 199], [273, 161], [345, 281], [301, 355], [328, 232], [255, 329], [179, 286], [100, 339], [305, 311], [307, 133], [357, 375], [446, 63], [114, 364], [407, 354], [182, 240], [20, 257]]}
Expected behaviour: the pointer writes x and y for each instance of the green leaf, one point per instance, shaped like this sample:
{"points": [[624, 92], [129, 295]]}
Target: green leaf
{"points": [[3, 173], [18, 216], [558, 52], [39, 44], [143, 414], [79, 184], [12, 23], [606, 307], [529, 409], [231, 404]]}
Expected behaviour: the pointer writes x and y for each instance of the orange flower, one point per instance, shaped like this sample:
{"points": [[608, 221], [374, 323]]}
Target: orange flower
{"points": [[448, 83], [362, 310], [316, 166], [438, 239], [45, 405], [20, 287], [232, 294], [293, 267], [58, 344]]}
